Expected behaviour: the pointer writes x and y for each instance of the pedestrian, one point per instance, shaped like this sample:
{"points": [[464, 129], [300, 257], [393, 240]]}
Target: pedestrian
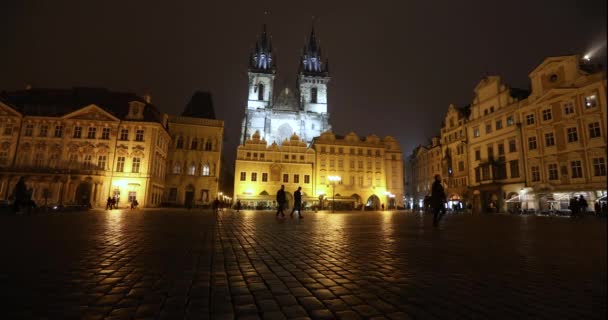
{"points": [[383, 207], [19, 194], [215, 205], [134, 204], [597, 208], [437, 200], [573, 206], [109, 203], [297, 203], [582, 204], [281, 200], [238, 205]]}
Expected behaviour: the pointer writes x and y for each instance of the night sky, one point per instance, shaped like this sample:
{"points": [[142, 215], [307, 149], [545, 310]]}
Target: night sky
{"points": [[395, 66]]}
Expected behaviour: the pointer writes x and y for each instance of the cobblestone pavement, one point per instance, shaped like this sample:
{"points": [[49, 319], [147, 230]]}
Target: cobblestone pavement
{"points": [[175, 264]]}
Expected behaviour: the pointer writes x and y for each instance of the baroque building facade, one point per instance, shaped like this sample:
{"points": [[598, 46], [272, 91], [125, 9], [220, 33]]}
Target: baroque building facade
{"points": [[527, 150], [80, 146]]}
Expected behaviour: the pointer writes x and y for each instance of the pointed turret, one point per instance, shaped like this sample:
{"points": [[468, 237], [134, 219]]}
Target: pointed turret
{"points": [[312, 64], [262, 60]]}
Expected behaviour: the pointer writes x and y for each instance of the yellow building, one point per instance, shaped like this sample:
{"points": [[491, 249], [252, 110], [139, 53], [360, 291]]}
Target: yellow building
{"points": [[496, 162], [425, 163], [564, 131], [261, 169], [455, 169], [80, 146], [370, 171], [195, 154]]}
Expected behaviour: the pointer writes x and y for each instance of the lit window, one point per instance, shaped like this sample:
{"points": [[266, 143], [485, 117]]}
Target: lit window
{"points": [[476, 132], [87, 162], [590, 101], [177, 168], [243, 176], [206, 170], [192, 169], [510, 121]]}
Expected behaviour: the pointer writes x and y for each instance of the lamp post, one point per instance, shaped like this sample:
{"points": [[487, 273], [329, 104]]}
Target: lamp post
{"points": [[334, 180]]}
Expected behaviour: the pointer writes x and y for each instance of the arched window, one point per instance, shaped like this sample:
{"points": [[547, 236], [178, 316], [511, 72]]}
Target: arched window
{"points": [[192, 169], [313, 95], [194, 144], [177, 168], [206, 169], [208, 145], [261, 91], [180, 143]]}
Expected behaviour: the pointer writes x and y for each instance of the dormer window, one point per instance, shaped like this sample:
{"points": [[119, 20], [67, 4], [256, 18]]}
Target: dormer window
{"points": [[136, 109], [553, 78]]}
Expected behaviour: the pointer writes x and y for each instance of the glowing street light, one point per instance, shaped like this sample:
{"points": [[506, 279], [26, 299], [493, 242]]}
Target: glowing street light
{"points": [[334, 180]]}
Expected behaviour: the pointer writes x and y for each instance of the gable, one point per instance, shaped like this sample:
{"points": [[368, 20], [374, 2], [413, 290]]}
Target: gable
{"points": [[6, 111], [91, 112], [552, 94]]}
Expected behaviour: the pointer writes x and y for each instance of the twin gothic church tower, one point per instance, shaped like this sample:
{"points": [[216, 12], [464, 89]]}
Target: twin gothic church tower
{"points": [[279, 115]]}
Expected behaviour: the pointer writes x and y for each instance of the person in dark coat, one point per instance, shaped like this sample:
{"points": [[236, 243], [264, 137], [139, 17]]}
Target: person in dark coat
{"points": [[281, 201], [574, 206], [297, 203], [437, 200], [19, 194], [238, 205], [215, 205], [109, 203], [582, 204]]}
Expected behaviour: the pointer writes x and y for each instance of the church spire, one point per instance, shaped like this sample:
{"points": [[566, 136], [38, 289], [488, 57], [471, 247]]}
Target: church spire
{"points": [[312, 63], [262, 59]]}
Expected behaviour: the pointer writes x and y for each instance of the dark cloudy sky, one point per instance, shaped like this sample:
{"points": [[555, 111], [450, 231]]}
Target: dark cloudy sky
{"points": [[395, 65]]}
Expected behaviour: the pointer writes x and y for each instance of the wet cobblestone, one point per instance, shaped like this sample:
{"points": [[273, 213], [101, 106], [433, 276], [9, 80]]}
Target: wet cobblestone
{"points": [[177, 264]]}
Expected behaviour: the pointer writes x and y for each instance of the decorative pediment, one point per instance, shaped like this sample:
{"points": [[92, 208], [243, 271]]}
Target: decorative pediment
{"points": [[122, 150], [550, 63], [88, 148], [553, 94], [73, 147], [138, 151], [91, 112]]}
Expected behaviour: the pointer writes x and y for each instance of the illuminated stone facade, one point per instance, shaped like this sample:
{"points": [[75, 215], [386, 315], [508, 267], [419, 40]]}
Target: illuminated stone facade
{"points": [[77, 147], [455, 171], [261, 169], [564, 133], [81, 146], [194, 160], [525, 150], [301, 111], [370, 171]]}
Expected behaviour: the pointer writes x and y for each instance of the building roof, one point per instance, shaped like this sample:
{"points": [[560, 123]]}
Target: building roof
{"points": [[59, 102], [200, 106]]}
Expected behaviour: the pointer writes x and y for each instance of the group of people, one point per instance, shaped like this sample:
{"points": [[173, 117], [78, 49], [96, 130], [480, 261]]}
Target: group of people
{"points": [[282, 202], [112, 203], [578, 205]]}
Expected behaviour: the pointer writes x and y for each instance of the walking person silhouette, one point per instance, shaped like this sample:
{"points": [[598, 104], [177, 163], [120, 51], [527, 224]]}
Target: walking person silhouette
{"points": [[281, 200], [297, 203], [437, 200]]}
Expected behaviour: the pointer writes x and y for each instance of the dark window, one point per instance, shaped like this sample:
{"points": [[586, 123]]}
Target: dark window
{"points": [[285, 178], [594, 130], [77, 132], [254, 176], [264, 177], [549, 139], [306, 178], [139, 135], [313, 95], [599, 167], [577, 169], [514, 168], [261, 91], [512, 145], [572, 134], [243, 176]]}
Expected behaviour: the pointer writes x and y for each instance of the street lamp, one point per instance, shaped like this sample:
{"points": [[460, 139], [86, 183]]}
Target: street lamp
{"points": [[334, 180]]}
